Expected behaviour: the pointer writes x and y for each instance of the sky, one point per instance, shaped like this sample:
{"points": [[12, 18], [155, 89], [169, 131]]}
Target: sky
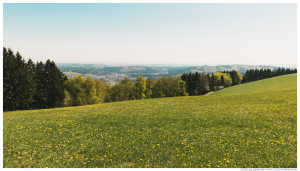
{"points": [[171, 34]]}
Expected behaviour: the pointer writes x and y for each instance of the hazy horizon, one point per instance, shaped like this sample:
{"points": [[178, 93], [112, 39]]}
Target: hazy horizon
{"points": [[164, 65], [154, 34]]}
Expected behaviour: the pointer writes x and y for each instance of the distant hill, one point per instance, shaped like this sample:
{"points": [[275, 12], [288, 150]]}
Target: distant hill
{"points": [[112, 74], [211, 69]]}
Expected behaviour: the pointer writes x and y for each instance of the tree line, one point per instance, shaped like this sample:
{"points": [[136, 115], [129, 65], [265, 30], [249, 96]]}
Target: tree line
{"points": [[254, 75], [145, 89], [29, 85], [186, 84], [202, 83]]}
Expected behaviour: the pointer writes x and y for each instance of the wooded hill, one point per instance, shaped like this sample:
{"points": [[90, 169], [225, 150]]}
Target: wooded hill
{"points": [[114, 74]]}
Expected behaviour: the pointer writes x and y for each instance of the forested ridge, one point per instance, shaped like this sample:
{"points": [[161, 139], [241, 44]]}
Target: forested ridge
{"points": [[29, 85]]}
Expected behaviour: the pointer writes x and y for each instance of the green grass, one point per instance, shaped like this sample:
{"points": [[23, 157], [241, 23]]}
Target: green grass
{"points": [[257, 129], [280, 83]]}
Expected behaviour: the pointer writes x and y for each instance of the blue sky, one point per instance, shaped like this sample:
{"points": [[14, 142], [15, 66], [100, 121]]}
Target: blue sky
{"points": [[179, 34]]}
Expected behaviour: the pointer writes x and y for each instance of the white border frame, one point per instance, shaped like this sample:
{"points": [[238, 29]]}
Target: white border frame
{"points": [[140, 1]]}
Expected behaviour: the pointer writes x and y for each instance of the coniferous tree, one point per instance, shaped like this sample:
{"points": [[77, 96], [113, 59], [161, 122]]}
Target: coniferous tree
{"points": [[17, 79], [269, 73], [55, 84], [204, 84], [28, 86], [261, 74], [214, 82], [265, 73], [189, 83], [8, 80], [41, 95], [245, 77], [236, 77], [197, 83], [283, 71], [192, 86], [184, 77], [222, 81], [32, 83], [278, 72], [256, 73], [250, 76], [22, 92]]}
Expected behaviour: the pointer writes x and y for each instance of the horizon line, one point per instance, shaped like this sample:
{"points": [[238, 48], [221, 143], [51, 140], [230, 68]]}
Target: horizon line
{"points": [[175, 65]]}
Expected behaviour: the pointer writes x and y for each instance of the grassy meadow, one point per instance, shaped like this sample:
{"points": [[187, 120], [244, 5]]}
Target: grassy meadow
{"points": [[279, 83], [251, 125]]}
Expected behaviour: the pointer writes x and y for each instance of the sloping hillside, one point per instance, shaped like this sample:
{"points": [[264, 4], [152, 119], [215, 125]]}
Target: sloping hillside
{"points": [[249, 130], [280, 83]]}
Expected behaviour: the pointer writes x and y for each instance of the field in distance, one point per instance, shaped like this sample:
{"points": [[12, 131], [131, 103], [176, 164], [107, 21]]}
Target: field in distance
{"points": [[250, 125]]}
